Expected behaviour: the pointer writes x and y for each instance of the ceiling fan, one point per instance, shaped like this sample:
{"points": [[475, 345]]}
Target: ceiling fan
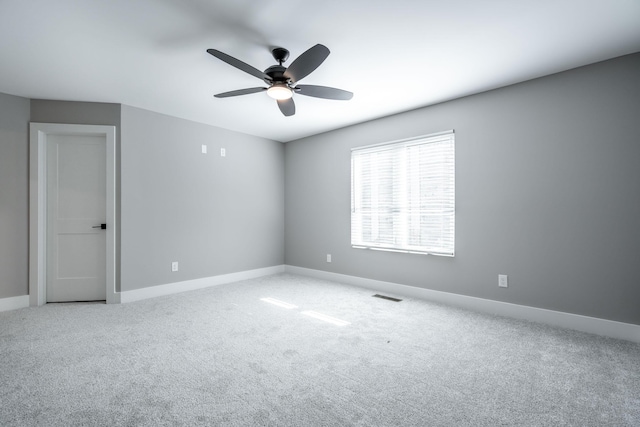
{"points": [[283, 81]]}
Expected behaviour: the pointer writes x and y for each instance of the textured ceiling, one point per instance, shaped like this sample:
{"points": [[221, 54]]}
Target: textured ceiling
{"points": [[395, 56]]}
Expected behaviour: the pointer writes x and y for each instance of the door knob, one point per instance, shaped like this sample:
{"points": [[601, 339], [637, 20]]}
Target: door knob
{"points": [[101, 226]]}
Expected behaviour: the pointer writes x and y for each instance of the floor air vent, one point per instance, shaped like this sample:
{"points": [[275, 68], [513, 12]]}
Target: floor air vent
{"points": [[387, 297]]}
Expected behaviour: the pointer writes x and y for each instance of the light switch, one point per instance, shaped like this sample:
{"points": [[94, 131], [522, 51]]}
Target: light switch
{"points": [[204, 149]]}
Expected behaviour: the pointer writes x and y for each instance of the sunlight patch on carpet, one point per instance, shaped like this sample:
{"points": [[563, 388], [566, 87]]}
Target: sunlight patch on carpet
{"points": [[279, 303], [325, 318]]}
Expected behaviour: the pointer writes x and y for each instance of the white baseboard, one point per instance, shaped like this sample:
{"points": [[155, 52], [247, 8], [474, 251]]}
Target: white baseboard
{"points": [[191, 285], [14, 303], [609, 328]]}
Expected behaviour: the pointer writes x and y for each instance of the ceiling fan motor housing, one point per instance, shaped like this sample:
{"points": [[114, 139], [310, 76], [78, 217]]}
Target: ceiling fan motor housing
{"points": [[276, 72]]}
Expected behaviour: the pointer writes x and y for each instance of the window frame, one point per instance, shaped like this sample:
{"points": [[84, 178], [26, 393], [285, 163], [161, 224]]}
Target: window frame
{"points": [[403, 209]]}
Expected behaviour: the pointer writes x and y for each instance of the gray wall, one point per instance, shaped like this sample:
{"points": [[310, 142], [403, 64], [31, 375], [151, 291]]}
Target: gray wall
{"points": [[73, 112], [14, 196], [85, 113], [212, 214], [547, 191]]}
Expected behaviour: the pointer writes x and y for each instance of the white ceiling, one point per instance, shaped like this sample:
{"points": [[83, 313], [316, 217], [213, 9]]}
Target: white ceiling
{"points": [[394, 55]]}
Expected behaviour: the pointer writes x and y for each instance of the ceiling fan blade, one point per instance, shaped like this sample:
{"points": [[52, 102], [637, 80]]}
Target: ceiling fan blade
{"points": [[239, 64], [323, 92], [306, 63], [287, 106], [240, 92]]}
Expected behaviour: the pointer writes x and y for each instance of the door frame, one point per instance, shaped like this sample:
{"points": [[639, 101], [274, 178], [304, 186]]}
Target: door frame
{"points": [[38, 205]]}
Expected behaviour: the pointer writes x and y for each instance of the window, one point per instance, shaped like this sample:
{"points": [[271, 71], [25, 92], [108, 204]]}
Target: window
{"points": [[403, 195]]}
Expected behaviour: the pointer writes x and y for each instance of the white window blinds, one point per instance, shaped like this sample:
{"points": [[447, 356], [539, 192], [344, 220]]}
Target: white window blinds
{"points": [[403, 195]]}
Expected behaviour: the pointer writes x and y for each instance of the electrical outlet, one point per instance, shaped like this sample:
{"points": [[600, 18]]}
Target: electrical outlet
{"points": [[174, 266], [503, 281], [223, 152], [328, 257]]}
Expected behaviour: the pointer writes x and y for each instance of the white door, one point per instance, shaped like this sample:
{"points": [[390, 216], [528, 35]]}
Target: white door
{"points": [[76, 208]]}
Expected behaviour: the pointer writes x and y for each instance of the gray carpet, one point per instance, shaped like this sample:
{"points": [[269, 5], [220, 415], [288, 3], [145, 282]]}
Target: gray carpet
{"points": [[222, 356]]}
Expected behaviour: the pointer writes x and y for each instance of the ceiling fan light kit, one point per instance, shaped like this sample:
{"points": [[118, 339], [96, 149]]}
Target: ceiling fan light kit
{"points": [[282, 80], [279, 91]]}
